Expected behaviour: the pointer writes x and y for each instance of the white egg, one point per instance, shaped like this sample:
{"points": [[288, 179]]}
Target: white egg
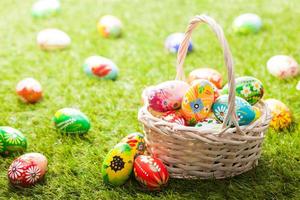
{"points": [[53, 39]]}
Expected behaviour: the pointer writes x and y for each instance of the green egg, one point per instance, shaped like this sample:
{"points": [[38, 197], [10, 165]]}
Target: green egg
{"points": [[11, 141]]}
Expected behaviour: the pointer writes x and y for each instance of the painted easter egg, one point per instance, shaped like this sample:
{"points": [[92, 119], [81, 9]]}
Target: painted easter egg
{"points": [[45, 8], [167, 95], [209, 74], [174, 116], [247, 87], [209, 123], [29, 90], [283, 66], [244, 111], [109, 26], [281, 114], [173, 42], [247, 23], [11, 141], [217, 92], [71, 121], [27, 169], [136, 141], [150, 172], [197, 102], [118, 164], [100, 67], [53, 39]]}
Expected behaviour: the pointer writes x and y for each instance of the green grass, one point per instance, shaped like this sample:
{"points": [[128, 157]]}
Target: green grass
{"points": [[74, 163]]}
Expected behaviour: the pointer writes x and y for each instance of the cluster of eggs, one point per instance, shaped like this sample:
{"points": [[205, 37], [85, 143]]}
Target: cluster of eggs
{"points": [[127, 157], [204, 102]]}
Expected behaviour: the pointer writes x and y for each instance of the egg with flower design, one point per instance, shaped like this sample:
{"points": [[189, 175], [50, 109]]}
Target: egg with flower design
{"points": [[281, 114], [118, 164], [166, 96], [174, 116], [197, 102], [245, 113], [136, 142], [27, 169], [150, 172], [11, 141], [247, 87]]}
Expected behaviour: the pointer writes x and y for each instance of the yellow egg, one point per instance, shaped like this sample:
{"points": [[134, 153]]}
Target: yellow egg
{"points": [[281, 115], [136, 141]]}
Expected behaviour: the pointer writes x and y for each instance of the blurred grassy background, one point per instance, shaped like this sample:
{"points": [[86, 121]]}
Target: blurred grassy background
{"points": [[74, 163]]}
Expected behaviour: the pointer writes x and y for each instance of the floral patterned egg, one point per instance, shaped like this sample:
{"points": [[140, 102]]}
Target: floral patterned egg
{"points": [[136, 142], [174, 116], [197, 102], [173, 42], [150, 172], [109, 26], [45, 8], [71, 121], [167, 95], [216, 90], [28, 169], [100, 67], [281, 114], [209, 123], [29, 90], [208, 74], [53, 39], [247, 87], [283, 66], [245, 113], [11, 141], [247, 23], [118, 164]]}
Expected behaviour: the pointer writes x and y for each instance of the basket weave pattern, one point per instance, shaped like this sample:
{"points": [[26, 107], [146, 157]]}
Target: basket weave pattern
{"points": [[206, 152]]}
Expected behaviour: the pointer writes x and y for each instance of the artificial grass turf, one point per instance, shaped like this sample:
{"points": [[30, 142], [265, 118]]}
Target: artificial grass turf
{"points": [[75, 162]]}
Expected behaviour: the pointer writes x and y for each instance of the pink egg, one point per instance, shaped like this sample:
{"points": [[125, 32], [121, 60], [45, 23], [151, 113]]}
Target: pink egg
{"points": [[167, 95], [283, 66]]}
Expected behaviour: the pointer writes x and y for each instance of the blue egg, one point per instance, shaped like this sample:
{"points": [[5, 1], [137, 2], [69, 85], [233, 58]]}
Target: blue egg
{"points": [[173, 42], [244, 111]]}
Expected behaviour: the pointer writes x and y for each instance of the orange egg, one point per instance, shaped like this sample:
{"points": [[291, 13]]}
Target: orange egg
{"points": [[29, 90], [206, 73]]}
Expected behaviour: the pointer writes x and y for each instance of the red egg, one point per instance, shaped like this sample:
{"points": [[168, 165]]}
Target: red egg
{"points": [[208, 74], [30, 90], [174, 117], [27, 170], [150, 172]]}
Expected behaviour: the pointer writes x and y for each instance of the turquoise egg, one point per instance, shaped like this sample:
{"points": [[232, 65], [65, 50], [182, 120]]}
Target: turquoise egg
{"points": [[244, 111]]}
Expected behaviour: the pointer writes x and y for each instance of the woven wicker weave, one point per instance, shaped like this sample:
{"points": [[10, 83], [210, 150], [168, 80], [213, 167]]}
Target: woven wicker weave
{"points": [[206, 152]]}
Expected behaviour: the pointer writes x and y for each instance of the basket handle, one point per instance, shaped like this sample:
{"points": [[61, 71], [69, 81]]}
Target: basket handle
{"points": [[227, 57]]}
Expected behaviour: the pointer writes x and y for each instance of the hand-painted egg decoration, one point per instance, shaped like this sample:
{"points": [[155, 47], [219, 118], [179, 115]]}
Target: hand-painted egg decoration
{"points": [[28, 169], [173, 42], [247, 87], [29, 90], [136, 141], [100, 67], [174, 116], [150, 172], [109, 26], [167, 95], [45, 8], [209, 74], [53, 39], [281, 114], [197, 102], [283, 66], [247, 23], [244, 111], [118, 164], [11, 141], [209, 123], [71, 121]]}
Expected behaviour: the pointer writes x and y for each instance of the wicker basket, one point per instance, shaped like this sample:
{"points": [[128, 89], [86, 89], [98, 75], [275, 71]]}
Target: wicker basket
{"points": [[206, 152]]}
